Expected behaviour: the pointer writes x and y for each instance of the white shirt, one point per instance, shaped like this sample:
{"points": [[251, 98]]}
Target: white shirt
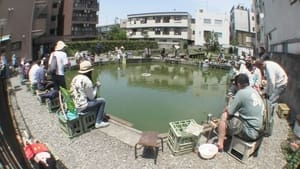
{"points": [[33, 74], [62, 60], [276, 76], [82, 90]]}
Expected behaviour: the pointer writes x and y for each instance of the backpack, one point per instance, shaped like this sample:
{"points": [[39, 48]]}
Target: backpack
{"points": [[52, 68]]}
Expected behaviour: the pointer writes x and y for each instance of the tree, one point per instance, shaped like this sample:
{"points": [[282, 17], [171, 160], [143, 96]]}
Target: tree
{"points": [[116, 33], [211, 41]]}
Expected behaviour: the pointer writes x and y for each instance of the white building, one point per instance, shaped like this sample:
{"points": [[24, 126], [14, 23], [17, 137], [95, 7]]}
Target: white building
{"points": [[242, 28], [211, 22], [168, 28]]}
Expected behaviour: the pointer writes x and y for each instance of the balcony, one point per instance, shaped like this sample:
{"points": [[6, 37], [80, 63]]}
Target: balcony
{"points": [[152, 23], [85, 19], [85, 6]]}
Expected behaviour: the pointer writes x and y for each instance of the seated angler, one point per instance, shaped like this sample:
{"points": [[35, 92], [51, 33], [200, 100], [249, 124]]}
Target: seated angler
{"points": [[84, 92], [244, 115], [33, 73], [42, 82]]}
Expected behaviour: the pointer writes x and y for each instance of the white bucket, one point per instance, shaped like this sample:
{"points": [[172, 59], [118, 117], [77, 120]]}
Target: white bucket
{"points": [[297, 129]]}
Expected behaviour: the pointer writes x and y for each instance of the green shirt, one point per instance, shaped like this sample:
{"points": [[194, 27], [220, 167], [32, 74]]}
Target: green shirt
{"points": [[249, 105]]}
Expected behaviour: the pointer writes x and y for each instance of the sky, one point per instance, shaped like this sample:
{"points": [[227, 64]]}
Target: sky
{"points": [[111, 9]]}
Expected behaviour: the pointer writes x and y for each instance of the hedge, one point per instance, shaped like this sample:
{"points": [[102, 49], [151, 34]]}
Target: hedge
{"points": [[105, 46]]}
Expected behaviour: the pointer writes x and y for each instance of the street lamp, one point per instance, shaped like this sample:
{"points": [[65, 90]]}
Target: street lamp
{"points": [[3, 22]]}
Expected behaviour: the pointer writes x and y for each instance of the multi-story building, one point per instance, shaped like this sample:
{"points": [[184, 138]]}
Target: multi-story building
{"points": [[31, 28], [260, 37], [207, 22], [168, 28], [242, 28], [80, 18]]}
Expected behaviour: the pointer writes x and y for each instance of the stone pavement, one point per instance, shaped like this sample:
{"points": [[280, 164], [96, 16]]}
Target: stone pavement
{"points": [[112, 147]]}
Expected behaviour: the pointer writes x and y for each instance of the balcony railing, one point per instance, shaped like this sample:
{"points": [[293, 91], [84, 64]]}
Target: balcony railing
{"points": [[83, 6], [85, 19]]}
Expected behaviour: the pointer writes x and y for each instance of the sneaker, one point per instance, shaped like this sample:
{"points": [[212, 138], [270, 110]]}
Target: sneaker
{"points": [[101, 125]]}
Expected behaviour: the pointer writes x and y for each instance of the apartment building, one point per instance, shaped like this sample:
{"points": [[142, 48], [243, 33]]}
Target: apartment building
{"points": [[242, 27], [167, 28], [80, 19], [31, 28], [207, 22]]}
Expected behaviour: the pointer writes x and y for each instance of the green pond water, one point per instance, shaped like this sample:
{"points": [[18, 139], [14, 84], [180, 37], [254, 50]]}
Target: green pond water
{"points": [[151, 95]]}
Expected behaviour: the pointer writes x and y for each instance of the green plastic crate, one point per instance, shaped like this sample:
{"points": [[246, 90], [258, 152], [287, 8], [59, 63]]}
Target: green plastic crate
{"points": [[88, 120], [71, 127], [52, 104], [178, 127], [179, 141]]}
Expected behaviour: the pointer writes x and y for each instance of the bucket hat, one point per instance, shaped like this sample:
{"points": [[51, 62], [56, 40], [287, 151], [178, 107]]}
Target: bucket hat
{"points": [[60, 45], [85, 67]]}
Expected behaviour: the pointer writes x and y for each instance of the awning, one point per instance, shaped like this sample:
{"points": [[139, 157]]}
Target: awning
{"points": [[5, 38]]}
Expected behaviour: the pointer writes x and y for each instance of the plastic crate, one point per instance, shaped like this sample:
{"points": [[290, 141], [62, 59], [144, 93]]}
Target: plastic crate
{"points": [[33, 89], [283, 110], [88, 120], [179, 141], [71, 127], [52, 104]]}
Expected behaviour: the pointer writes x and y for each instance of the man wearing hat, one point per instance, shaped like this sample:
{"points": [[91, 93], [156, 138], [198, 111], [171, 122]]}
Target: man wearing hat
{"points": [[61, 58], [84, 92]]}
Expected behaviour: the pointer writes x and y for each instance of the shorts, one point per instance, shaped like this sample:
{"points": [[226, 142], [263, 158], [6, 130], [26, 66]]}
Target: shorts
{"points": [[235, 127]]}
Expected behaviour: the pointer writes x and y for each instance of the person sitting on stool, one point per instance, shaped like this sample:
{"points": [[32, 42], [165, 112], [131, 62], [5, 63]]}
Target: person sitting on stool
{"points": [[244, 115], [84, 92]]}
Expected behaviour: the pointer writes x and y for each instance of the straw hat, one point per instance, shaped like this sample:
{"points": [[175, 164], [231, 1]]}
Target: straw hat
{"points": [[60, 45], [85, 67]]}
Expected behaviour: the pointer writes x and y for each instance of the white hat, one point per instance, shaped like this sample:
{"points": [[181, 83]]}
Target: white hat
{"points": [[242, 57], [85, 67], [60, 45]]}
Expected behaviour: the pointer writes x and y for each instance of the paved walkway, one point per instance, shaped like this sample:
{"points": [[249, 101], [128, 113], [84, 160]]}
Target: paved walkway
{"points": [[112, 147]]}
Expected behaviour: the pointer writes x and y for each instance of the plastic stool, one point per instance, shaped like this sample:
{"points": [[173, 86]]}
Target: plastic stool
{"points": [[242, 150]]}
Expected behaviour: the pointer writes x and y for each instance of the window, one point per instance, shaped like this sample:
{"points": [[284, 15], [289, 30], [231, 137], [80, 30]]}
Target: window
{"points": [[54, 5], [219, 34], [218, 21], [53, 18], [177, 18], [157, 31], [52, 31], [177, 31], [157, 19], [143, 20], [253, 29], [133, 32], [207, 21], [166, 19], [166, 31]]}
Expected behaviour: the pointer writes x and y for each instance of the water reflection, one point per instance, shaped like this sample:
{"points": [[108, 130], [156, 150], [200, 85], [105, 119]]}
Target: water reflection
{"points": [[171, 77], [167, 93]]}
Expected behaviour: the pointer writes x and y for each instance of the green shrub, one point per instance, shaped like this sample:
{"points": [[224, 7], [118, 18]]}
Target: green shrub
{"points": [[109, 45]]}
